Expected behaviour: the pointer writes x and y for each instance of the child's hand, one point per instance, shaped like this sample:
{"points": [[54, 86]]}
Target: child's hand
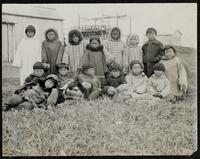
{"points": [[158, 95], [86, 85], [46, 65], [112, 90]]}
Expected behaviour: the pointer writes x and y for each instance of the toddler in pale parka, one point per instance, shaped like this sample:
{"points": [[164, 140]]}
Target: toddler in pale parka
{"points": [[158, 84]]}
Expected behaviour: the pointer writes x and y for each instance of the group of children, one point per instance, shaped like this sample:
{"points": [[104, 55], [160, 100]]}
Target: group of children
{"points": [[99, 68]]}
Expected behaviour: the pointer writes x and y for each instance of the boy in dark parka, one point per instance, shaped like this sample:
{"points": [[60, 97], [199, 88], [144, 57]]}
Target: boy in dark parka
{"points": [[152, 51]]}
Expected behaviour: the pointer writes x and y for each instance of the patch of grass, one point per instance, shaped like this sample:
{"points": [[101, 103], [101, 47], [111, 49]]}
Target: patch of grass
{"points": [[101, 127]]}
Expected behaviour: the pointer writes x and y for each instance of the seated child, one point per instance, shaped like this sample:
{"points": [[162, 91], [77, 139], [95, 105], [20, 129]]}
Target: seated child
{"points": [[44, 93], [175, 72], [112, 83], [158, 84], [136, 80], [32, 79], [64, 79], [87, 82]]}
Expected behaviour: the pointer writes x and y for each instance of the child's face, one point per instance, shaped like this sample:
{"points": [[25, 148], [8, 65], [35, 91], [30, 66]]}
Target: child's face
{"points": [[151, 35], [30, 33], [38, 72], [115, 35], [63, 71], [133, 40], [94, 44], [169, 53], [48, 84], [75, 38], [158, 73], [51, 35], [115, 73], [136, 69], [90, 71]]}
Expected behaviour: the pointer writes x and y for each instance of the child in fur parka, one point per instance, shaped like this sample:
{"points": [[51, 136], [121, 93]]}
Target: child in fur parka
{"points": [[44, 93], [74, 50], [94, 55], [175, 72]]}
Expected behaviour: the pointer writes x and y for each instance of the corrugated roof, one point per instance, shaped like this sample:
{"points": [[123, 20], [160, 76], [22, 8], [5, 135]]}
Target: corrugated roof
{"points": [[31, 11]]}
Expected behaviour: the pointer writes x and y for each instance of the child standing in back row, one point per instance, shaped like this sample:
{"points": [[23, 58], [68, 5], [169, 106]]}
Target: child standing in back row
{"points": [[52, 50], [152, 51], [28, 52], [74, 50], [175, 72], [94, 55], [115, 46], [133, 51]]}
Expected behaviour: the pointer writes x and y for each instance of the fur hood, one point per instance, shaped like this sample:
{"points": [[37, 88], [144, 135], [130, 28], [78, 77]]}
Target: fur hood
{"points": [[70, 35], [51, 29], [100, 48], [129, 37]]}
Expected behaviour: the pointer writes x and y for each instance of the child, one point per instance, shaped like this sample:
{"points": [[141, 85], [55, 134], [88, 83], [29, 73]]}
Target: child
{"points": [[87, 82], [112, 84], [28, 52], [94, 55], [115, 46], [32, 79], [64, 76], [43, 93], [133, 51], [64, 79], [136, 80], [152, 51], [38, 73], [175, 72], [158, 84], [52, 50], [74, 50]]}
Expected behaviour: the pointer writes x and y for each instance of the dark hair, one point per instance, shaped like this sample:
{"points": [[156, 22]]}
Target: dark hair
{"points": [[116, 29], [151, 30], [77, 33], [95, 38], [167, 47]]}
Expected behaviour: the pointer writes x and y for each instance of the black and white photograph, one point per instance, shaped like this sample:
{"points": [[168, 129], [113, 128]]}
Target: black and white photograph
{"points": [[99, 79]]}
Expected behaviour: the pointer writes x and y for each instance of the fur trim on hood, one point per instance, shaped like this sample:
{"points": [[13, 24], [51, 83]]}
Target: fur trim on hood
{"points": [[51, 29], [100, 48], [129, 37], [70, 35], [113, 29]]}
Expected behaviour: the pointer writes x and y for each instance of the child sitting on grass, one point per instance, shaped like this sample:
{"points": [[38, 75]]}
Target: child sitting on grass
{"points": [[64, 79], [158, 84], [87, 82], [44, 93], [113, 83], [32, 79], [136, 81], [176, 73]]}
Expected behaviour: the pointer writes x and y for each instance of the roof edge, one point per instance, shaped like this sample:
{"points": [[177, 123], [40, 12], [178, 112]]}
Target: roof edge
{"points": [[58, 19]]}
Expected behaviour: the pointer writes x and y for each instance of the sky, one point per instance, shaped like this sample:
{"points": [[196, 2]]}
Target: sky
{"points": [[165, 17]]}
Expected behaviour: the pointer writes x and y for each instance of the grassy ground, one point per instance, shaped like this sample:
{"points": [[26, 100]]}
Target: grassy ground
{"points": [[103, 127]]}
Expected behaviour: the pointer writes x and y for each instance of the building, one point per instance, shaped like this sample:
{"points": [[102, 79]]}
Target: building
{"points": [[170, 39], [15, 17]]}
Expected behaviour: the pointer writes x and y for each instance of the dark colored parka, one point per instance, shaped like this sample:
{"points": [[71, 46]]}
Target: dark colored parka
{"points": [[95, 57], [113, 82], [52, 51], [152, 52]]}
